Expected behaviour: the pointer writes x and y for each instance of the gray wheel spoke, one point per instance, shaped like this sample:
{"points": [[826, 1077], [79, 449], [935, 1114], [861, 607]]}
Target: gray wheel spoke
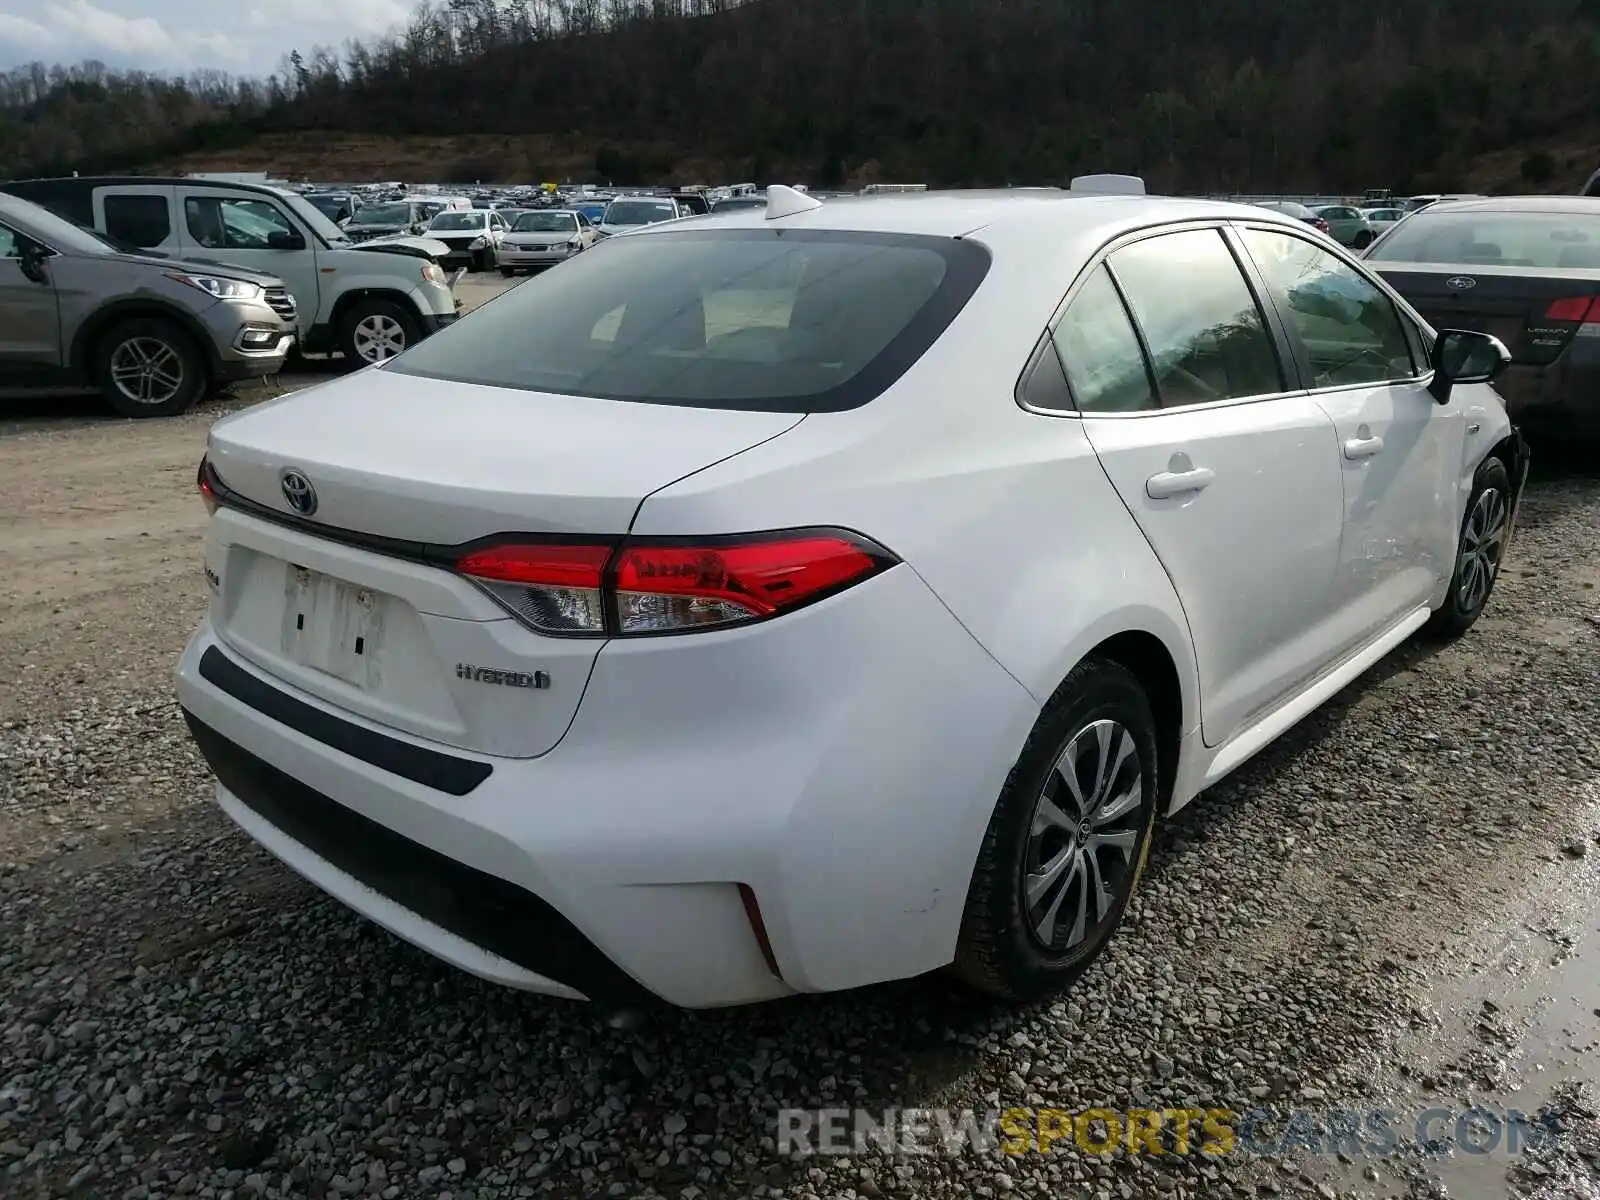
{"points": [[1049, 816], [1115, 747], [1121, 805], [1048, 876], [1067, 770], [1121, 841], [1103, 899], [1045, 930]]}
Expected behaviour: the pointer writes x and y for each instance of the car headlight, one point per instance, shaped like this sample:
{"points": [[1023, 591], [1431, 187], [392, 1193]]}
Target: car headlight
{"points": [[221, 286], [574, 242], [478, 243], [433, 273]]}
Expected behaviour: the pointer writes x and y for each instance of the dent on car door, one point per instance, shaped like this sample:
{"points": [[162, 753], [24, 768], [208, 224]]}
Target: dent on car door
{"points": [[1231, 476], [1399, 450], [30, 321]]}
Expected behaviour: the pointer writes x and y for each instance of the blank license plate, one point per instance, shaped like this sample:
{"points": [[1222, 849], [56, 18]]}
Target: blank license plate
{"points": [[331, 626]]}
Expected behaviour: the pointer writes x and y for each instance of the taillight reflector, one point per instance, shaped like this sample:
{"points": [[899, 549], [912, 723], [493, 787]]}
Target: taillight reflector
{"points": [[207, 493], [647, 586], [1572, 308]]}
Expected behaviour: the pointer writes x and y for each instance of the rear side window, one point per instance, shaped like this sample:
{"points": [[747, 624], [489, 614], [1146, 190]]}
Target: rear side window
{"points": [[143, 221], [1207, 338], [1100, 352], [762, 320]]}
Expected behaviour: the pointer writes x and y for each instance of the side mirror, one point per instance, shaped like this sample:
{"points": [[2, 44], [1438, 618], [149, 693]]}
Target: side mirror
{"points": [[285, 239], [1465, 356], [31, 259]]}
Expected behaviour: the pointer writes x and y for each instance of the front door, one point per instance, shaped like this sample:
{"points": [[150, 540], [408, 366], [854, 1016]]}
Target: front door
{"points": [[30, 323], [1232, 476], [1399, 450], [234, 227]]}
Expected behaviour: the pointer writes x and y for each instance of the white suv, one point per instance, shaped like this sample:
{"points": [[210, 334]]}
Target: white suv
{"points": [[367, 301], [796, 599]]}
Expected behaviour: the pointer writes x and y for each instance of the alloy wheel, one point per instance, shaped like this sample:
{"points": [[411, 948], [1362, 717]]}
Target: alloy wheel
{"points": [[1482, 541], [379, 337], [1079, 857], [146, 370]]}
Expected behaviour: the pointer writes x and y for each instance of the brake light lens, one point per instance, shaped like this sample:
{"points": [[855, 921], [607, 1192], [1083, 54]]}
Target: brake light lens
{"points": [[665, 586], [551, 587], [1573, 308], [208, 494]]}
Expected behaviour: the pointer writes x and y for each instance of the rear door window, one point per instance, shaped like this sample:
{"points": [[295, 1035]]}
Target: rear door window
{"points": [[1207, 337], [144, 221], [764, 320]]}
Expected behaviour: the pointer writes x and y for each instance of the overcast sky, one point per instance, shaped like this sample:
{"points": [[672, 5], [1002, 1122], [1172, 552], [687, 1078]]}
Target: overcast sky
{"points": [[243, 37]]}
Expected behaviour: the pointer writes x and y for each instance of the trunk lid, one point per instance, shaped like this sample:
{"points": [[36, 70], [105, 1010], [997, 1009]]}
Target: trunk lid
{"points": [[1511, 303], [428, 464]]}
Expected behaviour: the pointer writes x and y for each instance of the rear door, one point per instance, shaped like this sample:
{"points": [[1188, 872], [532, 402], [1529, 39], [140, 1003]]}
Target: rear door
{"points": [[30, 323], [140, 215], [1230, 472], [1400, 450]]}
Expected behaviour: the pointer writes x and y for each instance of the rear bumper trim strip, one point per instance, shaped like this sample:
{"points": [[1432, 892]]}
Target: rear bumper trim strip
{"points": [[441, 772]]}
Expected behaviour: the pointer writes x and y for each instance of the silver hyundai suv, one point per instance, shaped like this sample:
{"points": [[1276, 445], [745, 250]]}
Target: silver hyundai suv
{"points": [[151, 334]]}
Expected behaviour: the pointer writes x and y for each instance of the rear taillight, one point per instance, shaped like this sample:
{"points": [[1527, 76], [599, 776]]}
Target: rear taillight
{"points": [[1322, 225], [207, 493], [1581, 309], [663, 586]]}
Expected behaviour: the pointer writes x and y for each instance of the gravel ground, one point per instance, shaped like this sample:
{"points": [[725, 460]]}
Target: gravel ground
{"points": [[182, 1016]]}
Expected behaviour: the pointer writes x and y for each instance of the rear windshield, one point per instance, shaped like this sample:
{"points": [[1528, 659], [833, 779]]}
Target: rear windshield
{"points": [[1542, 240], [759, 320]]}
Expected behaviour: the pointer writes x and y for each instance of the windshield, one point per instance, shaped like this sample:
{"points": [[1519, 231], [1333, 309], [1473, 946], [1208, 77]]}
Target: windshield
{"points": [[760, 320], [639, 212], [737, 203], [59, 233], [460, 220], [545, 222], [313, 217], [1541, 240], [385, 214]]}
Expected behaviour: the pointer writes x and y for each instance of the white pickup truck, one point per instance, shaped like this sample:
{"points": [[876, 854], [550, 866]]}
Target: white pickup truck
{"points": [[367, 300]]}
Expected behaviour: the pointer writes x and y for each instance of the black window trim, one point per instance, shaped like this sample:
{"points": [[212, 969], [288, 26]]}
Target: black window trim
{"points": [[967, 264], [1280, 339], [1422, 371]]}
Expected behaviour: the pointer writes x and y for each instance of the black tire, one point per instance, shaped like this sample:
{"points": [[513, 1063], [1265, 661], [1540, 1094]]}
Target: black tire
{"points": [[1362, 240], [480, 260], [1480, 548], [1000, 951], [167, 349], [369, 331], [507, 272]]}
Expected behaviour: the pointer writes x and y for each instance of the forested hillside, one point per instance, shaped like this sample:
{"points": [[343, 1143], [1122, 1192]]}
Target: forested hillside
{"points": [[1283, 95]]}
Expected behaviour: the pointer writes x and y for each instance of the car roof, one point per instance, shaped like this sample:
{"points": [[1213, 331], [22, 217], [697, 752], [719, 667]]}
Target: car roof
{"points": [[1566, 205], [960, 213]]}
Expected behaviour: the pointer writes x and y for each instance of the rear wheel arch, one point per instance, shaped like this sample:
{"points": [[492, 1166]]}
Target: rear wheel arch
{"points": [[1147, 659]]}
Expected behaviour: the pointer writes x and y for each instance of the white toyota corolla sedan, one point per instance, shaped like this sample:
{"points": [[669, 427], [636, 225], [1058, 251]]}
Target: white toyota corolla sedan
{"points": [[806, 597]]}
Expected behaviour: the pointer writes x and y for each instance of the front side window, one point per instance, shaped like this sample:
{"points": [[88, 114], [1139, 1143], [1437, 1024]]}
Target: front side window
{"points": [[1350, 328], [1100, 351], [142, 221], [1207, 338], [760, 320], [229, 224]]}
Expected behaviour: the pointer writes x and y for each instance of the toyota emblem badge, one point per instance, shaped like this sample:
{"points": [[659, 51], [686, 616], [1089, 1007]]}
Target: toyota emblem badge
{"points": [[1461, 282], [297, 490]]}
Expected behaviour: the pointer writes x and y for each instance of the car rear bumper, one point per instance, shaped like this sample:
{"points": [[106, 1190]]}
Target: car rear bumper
{"points": [[1564, 396], [732, 817]]}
